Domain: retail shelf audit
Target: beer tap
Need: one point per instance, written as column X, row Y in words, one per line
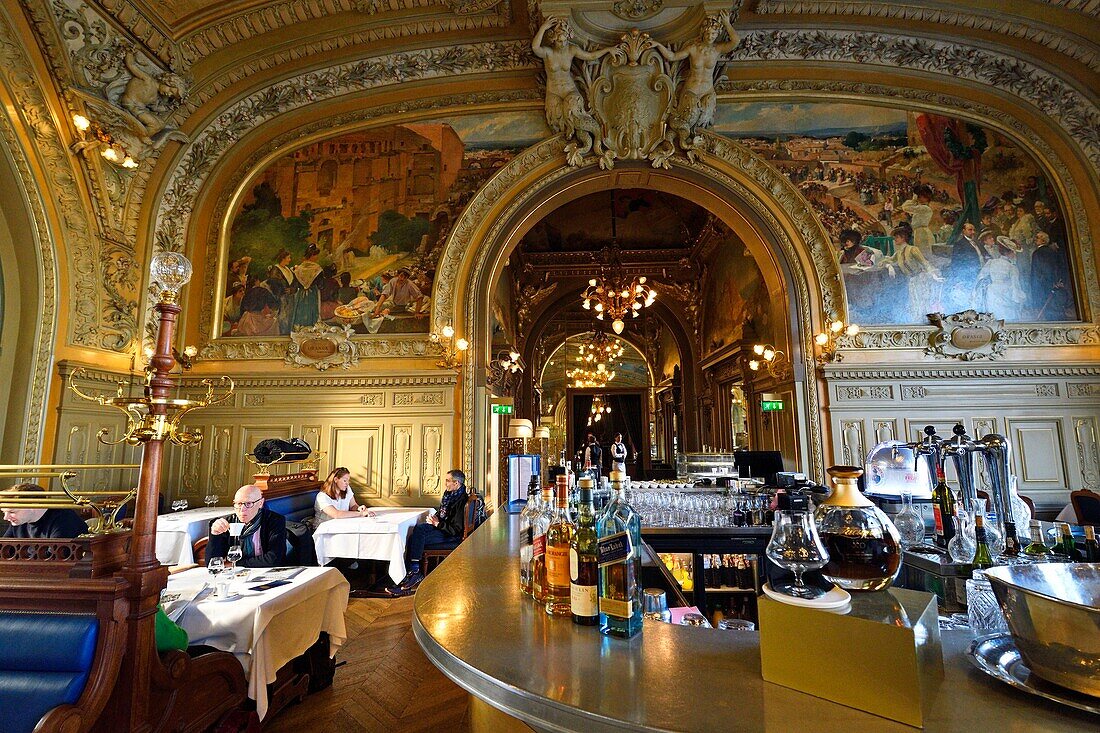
column 930, row 449
column 961, row 449
column 997, row 455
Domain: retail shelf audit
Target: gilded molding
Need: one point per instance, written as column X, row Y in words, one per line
column 442, row 379
column 19, row 78
column 952, row 371
column 972, row 19
column 1070, row 107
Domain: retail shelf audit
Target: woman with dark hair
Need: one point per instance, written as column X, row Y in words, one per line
column 923, row 280
column 336, row 500
column 306, row 302
column 259, row 314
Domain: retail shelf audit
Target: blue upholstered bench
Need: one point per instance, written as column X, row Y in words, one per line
column 45, row 660
column 296, row 507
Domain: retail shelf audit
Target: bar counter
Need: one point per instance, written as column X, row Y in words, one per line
column 474, row 624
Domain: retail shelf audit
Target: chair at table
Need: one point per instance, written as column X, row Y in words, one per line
column 1086, row 505
column 198, row 549
column 473, row 515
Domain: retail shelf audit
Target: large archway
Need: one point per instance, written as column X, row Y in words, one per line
column 757, row 203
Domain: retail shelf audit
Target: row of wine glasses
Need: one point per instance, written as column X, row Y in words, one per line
column 210, row 500
column 179, row 505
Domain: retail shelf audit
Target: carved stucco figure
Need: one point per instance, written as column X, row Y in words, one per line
column 565, row 108
column 697, row 100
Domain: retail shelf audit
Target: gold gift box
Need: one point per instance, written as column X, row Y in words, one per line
column 882, row 656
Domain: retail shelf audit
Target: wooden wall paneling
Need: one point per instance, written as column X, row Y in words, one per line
column 220, row 472
column 1040, row 451
column 312, row 434
column 1085, row 439
column 431, row 481
column 852, row 452
column 401, row 460
column 360, row 450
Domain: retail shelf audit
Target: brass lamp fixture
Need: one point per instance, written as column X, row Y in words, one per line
column 828, row 341
column 598, row 410
column 107, row 505
column 154, row 416
column 450, row 347
column 614, row 295
column 771, row 359
column 93, row 136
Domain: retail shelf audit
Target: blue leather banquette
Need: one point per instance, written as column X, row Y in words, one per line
column 45, row 659
column 295, row 507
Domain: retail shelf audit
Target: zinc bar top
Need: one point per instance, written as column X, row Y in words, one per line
column 474, row 624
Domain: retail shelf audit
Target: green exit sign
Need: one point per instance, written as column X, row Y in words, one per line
column 503, row 409
column 771, row 405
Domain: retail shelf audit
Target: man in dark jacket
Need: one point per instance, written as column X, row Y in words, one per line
column 40, row 524
column 263, row 537
column 445, row 525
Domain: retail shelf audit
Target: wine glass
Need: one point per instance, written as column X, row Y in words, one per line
column 796, row 546
column 234, row 555
column 216, row 565
column 177, row 505
column 211, row 500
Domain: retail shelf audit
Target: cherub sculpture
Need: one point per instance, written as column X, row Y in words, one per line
column 697, row 102
column 565, row 110
column 145, row 96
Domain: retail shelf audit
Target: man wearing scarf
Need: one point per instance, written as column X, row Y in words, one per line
column 263, row 538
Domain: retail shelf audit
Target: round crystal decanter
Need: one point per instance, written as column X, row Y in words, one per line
column 909, row 522
column 961, row 547
column 863, row 544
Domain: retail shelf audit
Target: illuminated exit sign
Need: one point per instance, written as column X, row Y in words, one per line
column 771, row 405
column 506, row 409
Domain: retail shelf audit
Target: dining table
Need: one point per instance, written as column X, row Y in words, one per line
column 378, row 537
column 177, row 532
column 263, row 629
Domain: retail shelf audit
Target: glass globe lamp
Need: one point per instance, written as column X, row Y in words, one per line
column 169, row 272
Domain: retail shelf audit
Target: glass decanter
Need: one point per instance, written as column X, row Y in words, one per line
column 993, row 535
column 863, row 544
column 961, row 547
column 909, row 522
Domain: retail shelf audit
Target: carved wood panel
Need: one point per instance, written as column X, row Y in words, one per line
column 401, row 462
column 431, row 483
column 1088, row 451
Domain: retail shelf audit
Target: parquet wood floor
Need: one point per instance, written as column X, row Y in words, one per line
column 387, row 684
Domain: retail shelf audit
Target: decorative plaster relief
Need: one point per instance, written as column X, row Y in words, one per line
column 913, row 392
column 851, row 437
column 1046, row 390
column 373, row 399
column 1077, row 389
column 1088, row 451
column 402, row 461
column 405, row 399
column 967, row 336
column 321, row 347
column 885, row 430
column 432, row 451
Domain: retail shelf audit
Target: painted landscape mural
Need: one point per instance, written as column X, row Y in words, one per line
column 350, row 229
column 928, row 213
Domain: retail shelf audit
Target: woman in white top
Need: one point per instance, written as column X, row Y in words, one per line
column 336, row 500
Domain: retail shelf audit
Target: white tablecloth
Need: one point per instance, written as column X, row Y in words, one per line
column 178, row 531
column 265, row 630
column 381, row 537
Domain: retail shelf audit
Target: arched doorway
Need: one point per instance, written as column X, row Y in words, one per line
column 744, row 192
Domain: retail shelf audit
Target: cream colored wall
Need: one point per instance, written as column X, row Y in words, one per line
column 394, row 432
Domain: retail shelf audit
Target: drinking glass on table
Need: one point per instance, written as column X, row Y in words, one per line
column 796, row 546
column 211, row 500
column 234, row 555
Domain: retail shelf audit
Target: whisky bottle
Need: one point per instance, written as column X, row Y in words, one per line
column 1068, row 546
column 982, row 557
column 1036, row 550
column 943, row 508
column 559, row 538
column 619, row 533
column 583, row 570
column 1012, row 543
column 538, row 546
column 527, row 520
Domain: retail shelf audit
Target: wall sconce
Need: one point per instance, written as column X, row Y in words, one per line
column 828, row 341
column 450, row 347
column 771, row 359
column 93, row 135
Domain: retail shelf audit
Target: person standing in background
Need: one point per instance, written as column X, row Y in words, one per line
column 618, row 454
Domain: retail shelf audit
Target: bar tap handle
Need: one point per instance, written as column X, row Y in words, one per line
column 928, row 448
column 997, row 455
column 960, row 449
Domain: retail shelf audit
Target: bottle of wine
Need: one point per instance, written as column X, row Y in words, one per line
column 1012, row 543
column 982, row 557
column 538, row 545
column 583, row 570
column 527, row 519
column 1035, row 549
column 559, row 538
column 619, row 541
column 1068, row 546
column 1092, row 550
column 943, row 508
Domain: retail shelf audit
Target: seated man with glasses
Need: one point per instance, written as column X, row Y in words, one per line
column 263, row 537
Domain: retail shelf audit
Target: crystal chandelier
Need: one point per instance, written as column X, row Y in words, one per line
column 589, row 378
column 599, row 409
column 597, row 355
column 614, row 294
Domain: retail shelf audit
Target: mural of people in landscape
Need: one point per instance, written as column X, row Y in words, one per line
column 927, row 213
column 349, row 230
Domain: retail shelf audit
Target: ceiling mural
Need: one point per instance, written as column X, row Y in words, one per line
column 928, row 214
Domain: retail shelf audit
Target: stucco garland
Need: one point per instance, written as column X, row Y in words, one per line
column 17, row 73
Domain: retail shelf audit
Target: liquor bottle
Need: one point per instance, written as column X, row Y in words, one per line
column 1068, row 546
column 559, row 538
column 527, row 519
column 583, row 570
column 982, row 558
column 538, row 545
column 943, row 508
column 1036, row 550
column 619, row 533
column 1092, row 550
column 1012, row 543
